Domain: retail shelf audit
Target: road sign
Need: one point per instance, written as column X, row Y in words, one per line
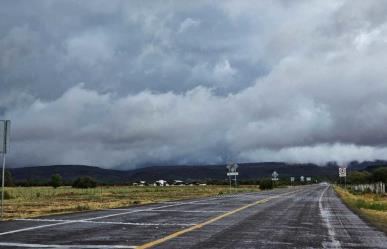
column 292, row 179
column 5, row 126
column 302, row 178
column 342, row 172
column 274, row 176
column 308, row 179
column 232, row 167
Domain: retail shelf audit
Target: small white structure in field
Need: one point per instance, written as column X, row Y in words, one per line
column 161, row 183
column 140, row 183
column 178, row 182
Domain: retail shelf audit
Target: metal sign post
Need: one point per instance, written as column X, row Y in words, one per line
column 343, row 173
column 274, row 176
column 232, row 167
column 5, row 126
column 292, row 180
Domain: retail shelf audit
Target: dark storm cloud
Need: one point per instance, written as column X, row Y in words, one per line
column 129, row 83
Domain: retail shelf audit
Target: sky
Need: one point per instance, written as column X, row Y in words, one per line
column 123, row 84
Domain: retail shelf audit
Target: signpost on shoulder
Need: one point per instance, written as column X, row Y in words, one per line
column 292, row 180
column 5, row 126
column 232, row 167
column 343, row 173
column 274, row 177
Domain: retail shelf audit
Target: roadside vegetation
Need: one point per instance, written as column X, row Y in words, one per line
column 370, row 206
column 24, row 202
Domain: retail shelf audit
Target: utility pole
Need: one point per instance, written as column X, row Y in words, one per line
column 5, row 126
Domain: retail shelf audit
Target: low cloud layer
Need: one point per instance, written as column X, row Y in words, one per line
column 299, row 81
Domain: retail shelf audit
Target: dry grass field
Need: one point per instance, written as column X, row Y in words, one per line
column 370, row 206
column 24, row 202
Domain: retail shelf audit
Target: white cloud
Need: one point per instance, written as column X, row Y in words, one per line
column 188, row 23
column 197, row 82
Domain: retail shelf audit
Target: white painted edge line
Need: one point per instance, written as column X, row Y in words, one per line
column 90, row 219
column 325, row 214
column 61, row 246
column 113, row 222
column 36, row 227
column 181, row 211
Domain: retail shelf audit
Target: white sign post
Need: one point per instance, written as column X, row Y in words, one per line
column 302, row 178
column 232, row 167
column 274, row 176
column 5, row 126
column 292, row 180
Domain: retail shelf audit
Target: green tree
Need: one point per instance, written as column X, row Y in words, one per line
column 8, row 181
column 84, row 182
column 379, row 175
column 56, row 180
column 357, row 177
column 8, row 178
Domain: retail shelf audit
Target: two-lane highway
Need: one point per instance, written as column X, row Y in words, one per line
column 305, row 217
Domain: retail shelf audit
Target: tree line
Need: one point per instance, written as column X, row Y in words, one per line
column 363, row 177
column 55, row 181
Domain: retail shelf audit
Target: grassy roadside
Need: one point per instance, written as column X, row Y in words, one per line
column 26, row 202
column 371, row 207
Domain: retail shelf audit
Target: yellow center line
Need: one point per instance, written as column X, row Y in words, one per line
column 200, row 225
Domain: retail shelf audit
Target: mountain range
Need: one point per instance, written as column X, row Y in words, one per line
column 247, row 171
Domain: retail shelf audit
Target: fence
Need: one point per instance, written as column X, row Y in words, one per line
column 377, row 188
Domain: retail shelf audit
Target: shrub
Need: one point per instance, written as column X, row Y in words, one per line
column 84, row 182
column 7, row 195
column 81, row 207
column 266, row 184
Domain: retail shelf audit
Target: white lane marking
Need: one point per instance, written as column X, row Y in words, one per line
column 62, row 246
column 111, row 215
column 326, row 214
column 35, row 227
column 113, row 222
column 95, row 218
column 181, row 211
column 191, row 211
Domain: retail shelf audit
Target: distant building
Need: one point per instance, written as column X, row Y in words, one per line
column 139, row 183
column 178, row 182
column 161, row 183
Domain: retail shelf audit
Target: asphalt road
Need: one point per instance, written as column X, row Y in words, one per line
column 307, row 217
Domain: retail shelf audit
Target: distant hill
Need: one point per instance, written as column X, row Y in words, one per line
column 247, row 171
column 358, row 166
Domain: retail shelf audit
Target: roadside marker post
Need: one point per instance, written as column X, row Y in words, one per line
column 5, row 127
